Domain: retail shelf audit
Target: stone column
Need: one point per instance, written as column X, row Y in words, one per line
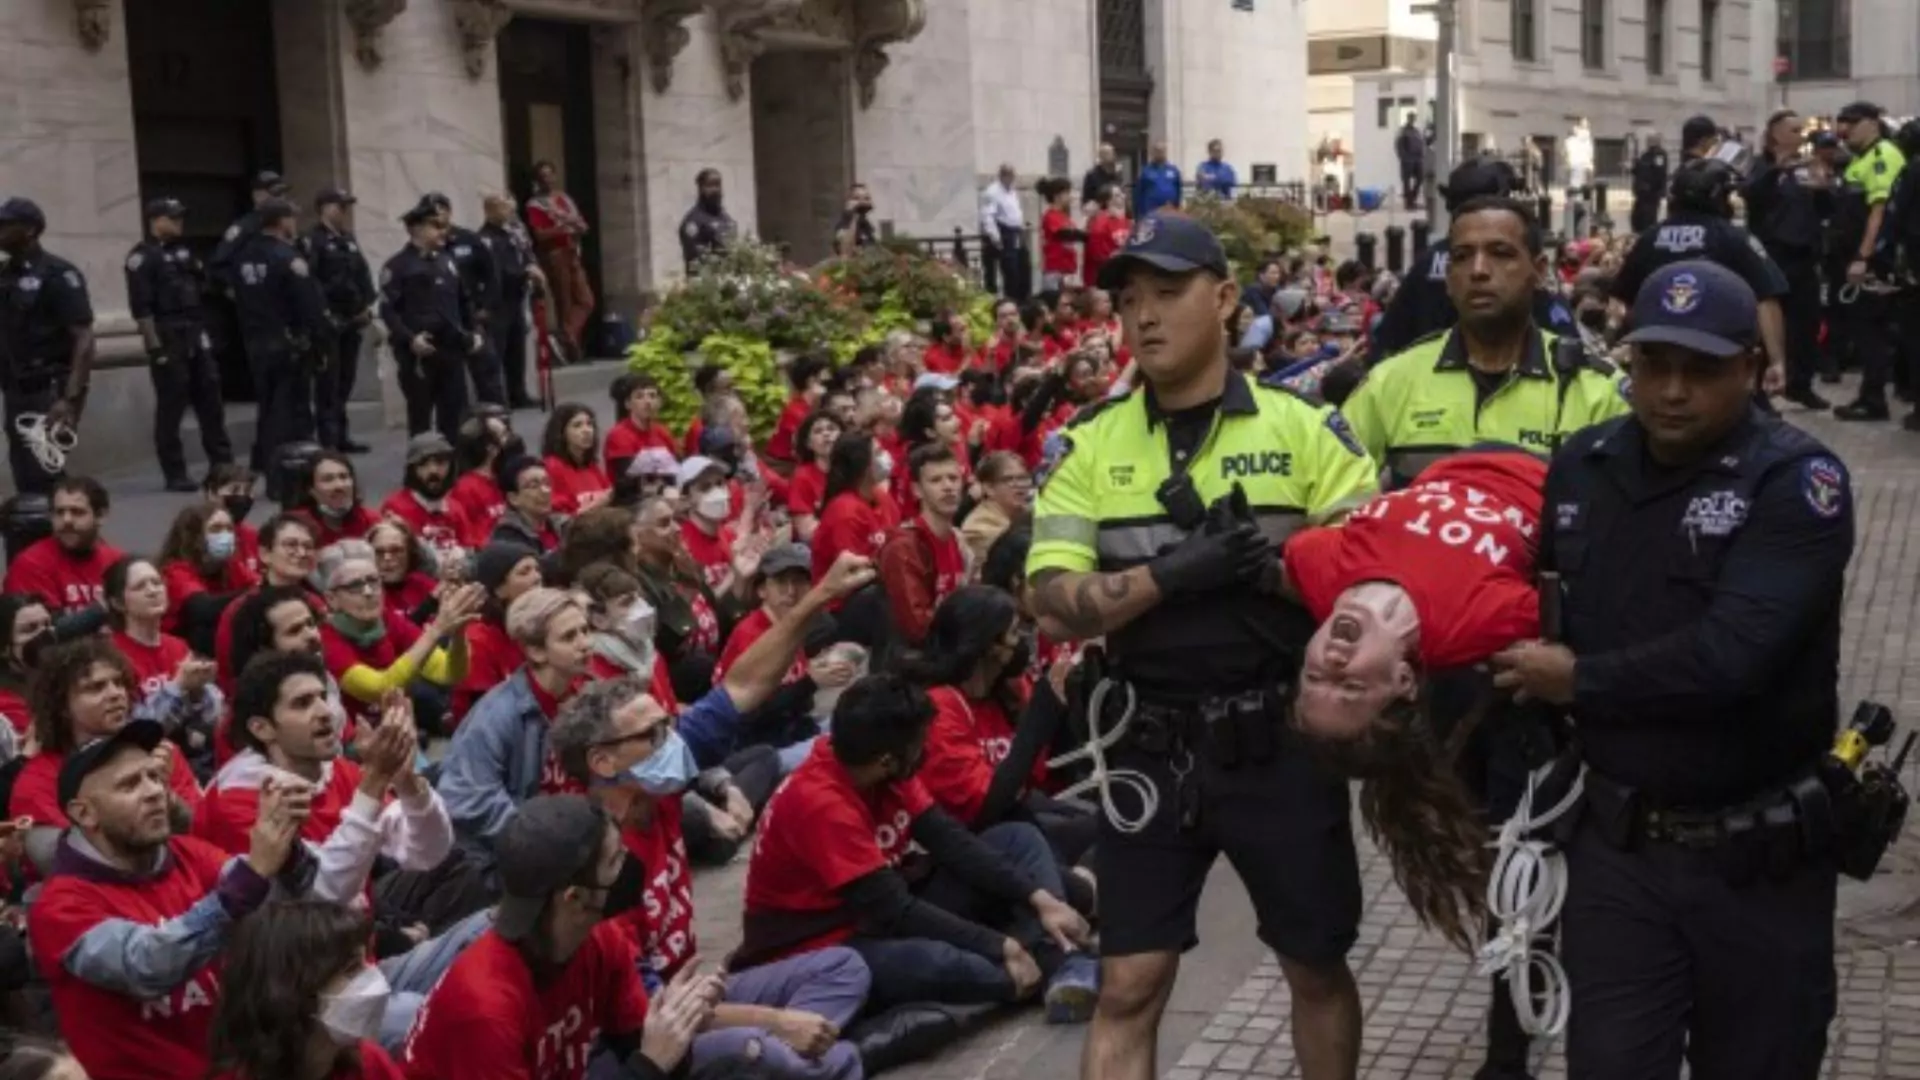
column 696, row 123
column 620, row 95
column 310, row 62
column 914, row 146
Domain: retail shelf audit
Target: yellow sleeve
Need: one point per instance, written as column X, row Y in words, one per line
column 445, row 667
column 1341, row 472
column 1066, row 525
column 1604, row 396
column 1365, row 410
column 364, row 683
column 1876, row 172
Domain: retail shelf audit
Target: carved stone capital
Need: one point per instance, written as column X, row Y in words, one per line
column 479, row 22
column 93, row 21
column 878, row 24
column 369, row 19
column 665, row 37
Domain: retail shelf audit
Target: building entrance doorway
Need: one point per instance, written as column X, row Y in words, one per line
column 546, row 107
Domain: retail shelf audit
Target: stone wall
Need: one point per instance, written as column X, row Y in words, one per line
column 1238, row 76
column 692, row 126
column 915, row 145
column 802, row 102
column 1033, row 82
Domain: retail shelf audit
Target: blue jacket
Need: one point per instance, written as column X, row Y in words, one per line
column 1215, row 176
column 1158, row 186
column 497, row 754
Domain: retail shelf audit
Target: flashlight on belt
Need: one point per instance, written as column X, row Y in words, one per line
column 1872, row 726
column 1869, row 801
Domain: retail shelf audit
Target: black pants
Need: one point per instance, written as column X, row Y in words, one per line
column 509, row 331
column 186, row 375
column 484, row 367
column 432, row 384
column 333, row 388
column 1666, row 959
column 30, row 396
column 1410, row 177
column 283, row 385
column 1839, row 350
column 1801, row 310
column 1870, row 319
column 1016, row 265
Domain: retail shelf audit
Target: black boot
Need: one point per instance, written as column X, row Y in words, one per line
column 902, row 1035
column 1507, row 1044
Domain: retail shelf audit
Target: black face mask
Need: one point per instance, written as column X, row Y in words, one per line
column 628, row 889
column 237, row 506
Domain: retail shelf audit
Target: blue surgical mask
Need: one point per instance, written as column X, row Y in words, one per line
column 219, row 546
column 669, row 770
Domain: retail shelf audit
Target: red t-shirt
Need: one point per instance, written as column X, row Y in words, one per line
column 374, row 1065
column 848, row 523
column 488, row 1020
column 780, row 444
column 745, row 633
column 65, row 581
column 1106, row 235
column 662, row 926
column 1461, row 541
column 246, row 547
column 554, row 778
column 341, row 653
column 225, row 817
column 480, row 503
column 943, row 359
column 14, row 708
column 445, row 530
column 405, row 597
column 820, row 833
column 36, row 791
column 661, row 690
column 690, row 443
column 491, row 657
column 966, row 742
column 706, row 622
column 112, row 1035
column 184, row 582
column 571, row 483
column 153, row 665
column 1057, row 256
column 626, row 439
column 355, row 525
column 714, row 553
column 805, row 490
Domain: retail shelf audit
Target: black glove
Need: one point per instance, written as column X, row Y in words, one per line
column 1261, row 567
column 1212, row 557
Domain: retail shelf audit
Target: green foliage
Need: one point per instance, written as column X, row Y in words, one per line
column 980, row 317
column 662, row 356
column 1252, row 228
column 758, row 380
column 921, row 285
column 744, row 289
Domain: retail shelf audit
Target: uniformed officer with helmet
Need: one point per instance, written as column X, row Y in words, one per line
column 46, row 340
column 1702, row 544
column 1157, row 528
column 166, row 287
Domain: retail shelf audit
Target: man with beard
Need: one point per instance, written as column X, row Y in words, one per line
column 68, row 570
column 707, row 227
column 923, row 562
column 129, row 928
column 422, row 501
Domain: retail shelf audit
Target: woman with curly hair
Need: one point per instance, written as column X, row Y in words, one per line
column 298, row 998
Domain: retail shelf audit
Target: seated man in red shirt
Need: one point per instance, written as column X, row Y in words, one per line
column 638, row 399
column 422, row 501
column 964, row 919
column 68, row 570
column 922, row 562
column 128, row 930
column 807, row 375
column 556, row 981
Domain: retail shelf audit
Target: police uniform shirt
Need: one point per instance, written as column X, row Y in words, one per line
column 164, row 282
column 1428, row 402
column 1650, row 174
column 1692, row 234
column 226, row 254
column 1869, row 183
column 1703, row 604
column 479, row 274
column 43, row 298
column 276, row 296
column 702, row 233
column 1783, row 211
column 1099, row 509
column 512, row 257
column 421, row 293
column 341, row 269
column 1421, row 307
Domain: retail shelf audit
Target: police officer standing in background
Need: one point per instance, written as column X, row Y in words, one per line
column 165, row 291
column 1784, row 196
column 1861, row 230
column 347, row 282
column 707, row 227
column 284, row 323
column 480, row 280
column 520, row 274
column 1421, row 306
column 46, row 339
column 1649, row 184
column 1699, row 225
column 1158, row 528
column 1702, row 544
column 266, row 185
column 430, row 326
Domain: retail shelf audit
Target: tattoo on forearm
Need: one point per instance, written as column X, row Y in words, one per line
column 1082, row 608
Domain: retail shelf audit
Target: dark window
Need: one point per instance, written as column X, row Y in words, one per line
column 1525, row 31
column 1816, row 38
column 1656, row 37
column 1593, row 34
column 1609, row 157
column 1709, row 39
column 1123, row 37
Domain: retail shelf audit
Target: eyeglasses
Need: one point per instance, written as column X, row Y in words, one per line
column 653, row 735
column 294, row 547
column 538, row 483
column 365, row 585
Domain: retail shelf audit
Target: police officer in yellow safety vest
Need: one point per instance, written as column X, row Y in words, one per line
column 1159, row 528
column 1860, row 223
column 1494, row 378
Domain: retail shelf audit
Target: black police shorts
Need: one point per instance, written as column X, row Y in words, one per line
column 1284, row 825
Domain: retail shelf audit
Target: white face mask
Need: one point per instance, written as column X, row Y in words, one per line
column 714, row 505
column 882, row 466
column 352, row 1014
column 638, row 626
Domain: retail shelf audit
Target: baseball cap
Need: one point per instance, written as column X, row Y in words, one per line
column 1697, row 305
column 145, row 735
column 426, row 445
column 694, row 468
column 22, row 211
column 166, row 208
column 1858, row 110
column 334, row 196
column 271, row 182
column 785, row 559
column 654, row 461
column 551, row 843
column 1171, row 242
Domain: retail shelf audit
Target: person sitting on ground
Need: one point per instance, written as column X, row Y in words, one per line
column 556, row 981
column 807, row 380
column 506, row 572
column 529, row 518
column 68, row 569
column 856, row 513
column 24, row 622
column 637, row 396
column 229, row 486
column 287, row 555
column 832, row 867
column 408, row 587
column 373, row 652
column 692, row 620
column 571, row 444
column 172, row 686
column 298, row 998
column 484, row 439
column 200, row 560
column 705, row 532
column 813, row 441
column 278, row 618
column 1006, row 492
column 330, row 500
column 423, row 501
column 922, row 561
column 129, row 926
column 785, row 721
column 624, row 749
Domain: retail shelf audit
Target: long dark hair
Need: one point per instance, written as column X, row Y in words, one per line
column 186, row 539
column 553, row 441
column 114, row 582
column 803, row 435
column 277, row 963
column 12, row 605
column 920, row 416
column 303, row 498
column 965, row 628
column 848, row 465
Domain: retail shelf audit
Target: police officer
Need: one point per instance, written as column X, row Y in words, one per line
column 1862, row 233
column 520, row 274
column 1498, row 376
column 1835, row 253
column 1784, row 196
column 1649, row 184
column 46, row 340
column 1422, row 306
column 267, row 184
column 166, row 288
column 347, row 282
column 1699, row 225
column 1702, row 545
column 430, row 325
column 284, row 323
column 1156, row 527
column 480, row 280
column 707, row 227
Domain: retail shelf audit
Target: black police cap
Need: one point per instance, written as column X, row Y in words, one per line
column 166, row 208
column 334, row 196
column 1704, row 184
column 436, row 200
column 1170, row 242
column 420, row 214
column 1476, row 179
column 275, row 210
column 1859, row 110
column 271, row 182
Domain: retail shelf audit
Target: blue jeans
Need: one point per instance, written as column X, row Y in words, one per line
column 829, row 983
column 919, row 969
column 414, row 973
